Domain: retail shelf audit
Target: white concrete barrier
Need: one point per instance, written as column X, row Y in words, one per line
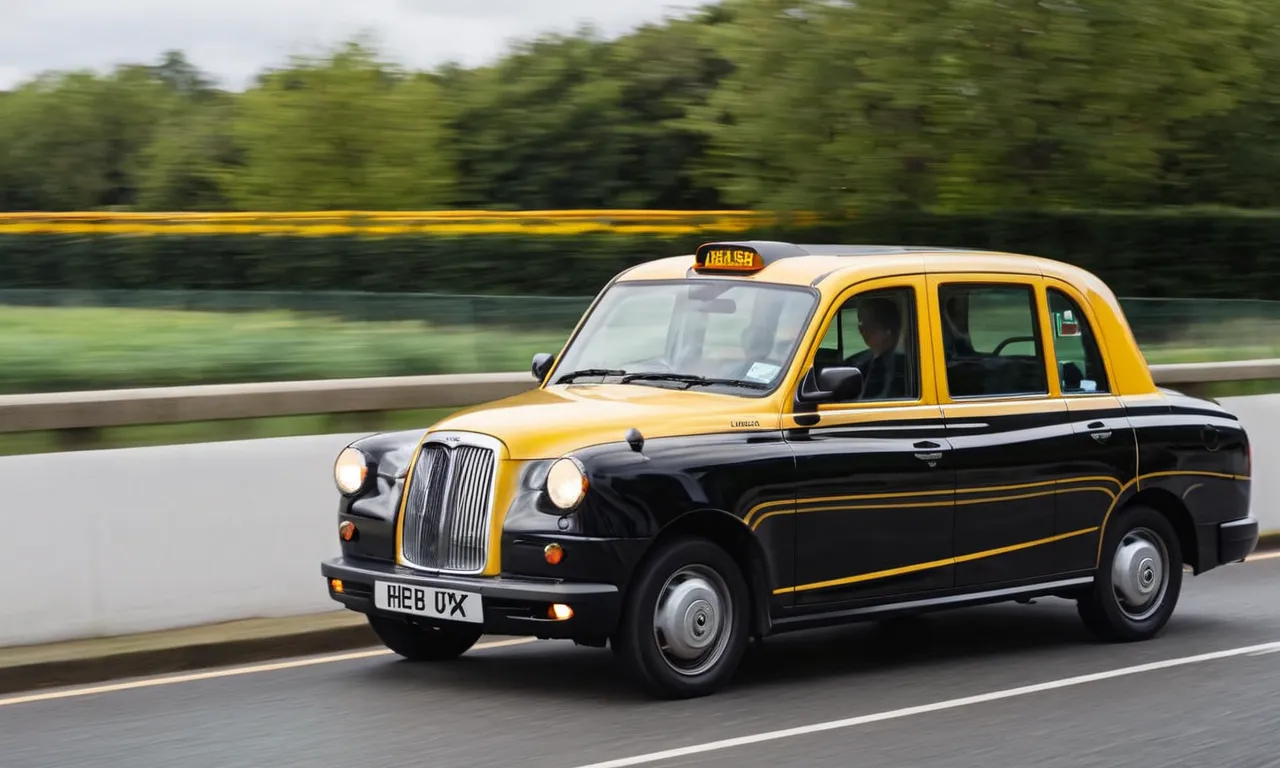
column 115, row 541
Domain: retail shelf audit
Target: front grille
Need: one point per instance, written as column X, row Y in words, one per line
column 446, row 516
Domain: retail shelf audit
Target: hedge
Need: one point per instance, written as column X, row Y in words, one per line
column 1155, row 254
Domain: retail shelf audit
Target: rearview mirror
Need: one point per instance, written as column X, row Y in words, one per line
column 833, row 384
column 541, row 365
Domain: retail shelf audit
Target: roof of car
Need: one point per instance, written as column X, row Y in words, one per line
column 813, row 264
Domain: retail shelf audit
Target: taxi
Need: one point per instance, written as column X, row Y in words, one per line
column 763, row 437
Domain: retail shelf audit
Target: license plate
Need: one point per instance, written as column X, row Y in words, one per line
column 432, row 602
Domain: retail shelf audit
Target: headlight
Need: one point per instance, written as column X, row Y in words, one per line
column 566, row 483
column 351, row 470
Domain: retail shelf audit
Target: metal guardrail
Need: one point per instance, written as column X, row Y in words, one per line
column 96, row 409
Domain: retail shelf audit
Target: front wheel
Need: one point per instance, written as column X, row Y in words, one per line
column 423, row 643
column 1139, row 578
column 684, row 628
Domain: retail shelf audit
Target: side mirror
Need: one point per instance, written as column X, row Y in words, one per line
column 832, row 384
column 541, row 365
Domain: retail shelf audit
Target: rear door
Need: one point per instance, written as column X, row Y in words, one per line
column 1008, row 429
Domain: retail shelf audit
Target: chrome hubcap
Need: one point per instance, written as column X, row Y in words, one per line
column 1139, row 573
column 692, row 618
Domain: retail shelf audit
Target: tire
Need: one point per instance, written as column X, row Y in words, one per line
column 697, row 574
column 1150, row 540
column 424, row 643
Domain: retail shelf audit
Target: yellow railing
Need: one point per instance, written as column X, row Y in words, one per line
column 330, row 223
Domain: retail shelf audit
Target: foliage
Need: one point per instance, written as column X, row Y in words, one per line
column 1179, row 253
column 959, row 106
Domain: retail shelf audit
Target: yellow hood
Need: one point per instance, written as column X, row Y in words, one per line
column 546, row 423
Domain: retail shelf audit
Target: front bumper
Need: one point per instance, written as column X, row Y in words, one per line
column 509, row 605
column 1237, row 539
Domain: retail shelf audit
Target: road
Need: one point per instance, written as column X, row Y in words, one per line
column 552, row 704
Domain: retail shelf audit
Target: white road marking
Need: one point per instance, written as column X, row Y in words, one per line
column 151, row 682
column 714, row 746
column 330, row 659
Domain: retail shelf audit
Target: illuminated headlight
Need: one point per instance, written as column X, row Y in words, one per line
column 351, row 470
column 566, row 483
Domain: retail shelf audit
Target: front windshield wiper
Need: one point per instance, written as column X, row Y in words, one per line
column 692, row 380
column 570, row 376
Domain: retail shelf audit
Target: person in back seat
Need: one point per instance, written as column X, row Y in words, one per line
column 882, row 365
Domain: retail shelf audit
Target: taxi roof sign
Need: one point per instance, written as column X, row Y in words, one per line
column 728, row 257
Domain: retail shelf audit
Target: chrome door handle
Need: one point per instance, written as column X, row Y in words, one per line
column 932, row 458
column 1098, row 433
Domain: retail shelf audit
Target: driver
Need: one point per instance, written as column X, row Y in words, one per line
column 881, row 363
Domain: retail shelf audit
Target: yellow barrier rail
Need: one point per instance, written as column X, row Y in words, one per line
column 386, row 223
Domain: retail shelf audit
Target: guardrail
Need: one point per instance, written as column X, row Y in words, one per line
column 88, row 410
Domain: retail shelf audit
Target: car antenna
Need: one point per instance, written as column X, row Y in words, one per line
column 635, row 439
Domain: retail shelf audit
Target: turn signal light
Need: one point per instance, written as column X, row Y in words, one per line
column 561, row 612
column 335, row 585
column 347, row 530
column 554, row 553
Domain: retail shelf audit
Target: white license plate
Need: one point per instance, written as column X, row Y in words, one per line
column 433, row 602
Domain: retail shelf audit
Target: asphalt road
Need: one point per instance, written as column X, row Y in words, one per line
column 551, row 704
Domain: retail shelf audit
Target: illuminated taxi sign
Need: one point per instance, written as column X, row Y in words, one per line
column 724, row 257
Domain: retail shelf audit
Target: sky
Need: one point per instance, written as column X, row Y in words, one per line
column 231, row 40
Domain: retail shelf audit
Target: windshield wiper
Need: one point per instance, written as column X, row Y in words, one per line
column 692, row 380
column 570, row 376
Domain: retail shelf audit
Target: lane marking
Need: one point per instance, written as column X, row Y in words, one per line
column 152, row 682
column 714, row 746
column 294, row 664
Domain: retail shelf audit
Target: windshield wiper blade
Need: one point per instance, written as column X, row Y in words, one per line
column 570, row 376
column 693, row 380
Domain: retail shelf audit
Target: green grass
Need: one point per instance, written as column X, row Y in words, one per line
column 58, row 349
column 49, row 349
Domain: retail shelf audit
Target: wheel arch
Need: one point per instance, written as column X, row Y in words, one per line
column 1178, row 515
column 736, row 538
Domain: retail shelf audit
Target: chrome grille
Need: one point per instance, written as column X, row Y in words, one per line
column 446, row 515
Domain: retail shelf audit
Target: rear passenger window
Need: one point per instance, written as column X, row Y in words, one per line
column 991, row 340
column 1080, row 368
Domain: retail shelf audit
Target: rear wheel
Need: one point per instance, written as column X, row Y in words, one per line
column 417, row 643
column 684, row 628
column 1139, row 578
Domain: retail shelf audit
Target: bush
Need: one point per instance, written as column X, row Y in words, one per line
column 1207, row 254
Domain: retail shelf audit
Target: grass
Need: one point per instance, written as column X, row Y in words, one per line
column 77, row 348
column 59, row 349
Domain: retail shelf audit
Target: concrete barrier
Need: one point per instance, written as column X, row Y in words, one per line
column 140, row 539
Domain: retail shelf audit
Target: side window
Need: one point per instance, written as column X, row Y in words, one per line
column 877, row 333
column 1080, row 368
column 991, row 341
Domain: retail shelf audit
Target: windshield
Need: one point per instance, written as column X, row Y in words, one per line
column 722, row 334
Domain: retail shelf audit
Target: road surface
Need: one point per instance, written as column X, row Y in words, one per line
column 866, row 695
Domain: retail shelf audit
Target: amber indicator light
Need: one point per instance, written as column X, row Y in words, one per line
column 347, row 530
column 335, row 585
column 554, row 553
column 560, row 612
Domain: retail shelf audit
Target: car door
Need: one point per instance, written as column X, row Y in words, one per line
column 1008, row 429
column 1102, row 458
column 874, row 479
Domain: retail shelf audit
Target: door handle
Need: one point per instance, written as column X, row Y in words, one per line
column 927, row 444
column 1098, row 431
column 932, row 458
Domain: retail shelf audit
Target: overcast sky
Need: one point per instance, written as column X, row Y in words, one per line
column 233, row 39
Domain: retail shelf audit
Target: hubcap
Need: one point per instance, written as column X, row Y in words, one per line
column 1139, row 573
column 692, row 618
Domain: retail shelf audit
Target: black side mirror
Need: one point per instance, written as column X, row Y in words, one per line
column 832, row 384
column 541, row 365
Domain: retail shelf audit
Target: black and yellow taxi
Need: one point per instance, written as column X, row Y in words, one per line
column 762, row 437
